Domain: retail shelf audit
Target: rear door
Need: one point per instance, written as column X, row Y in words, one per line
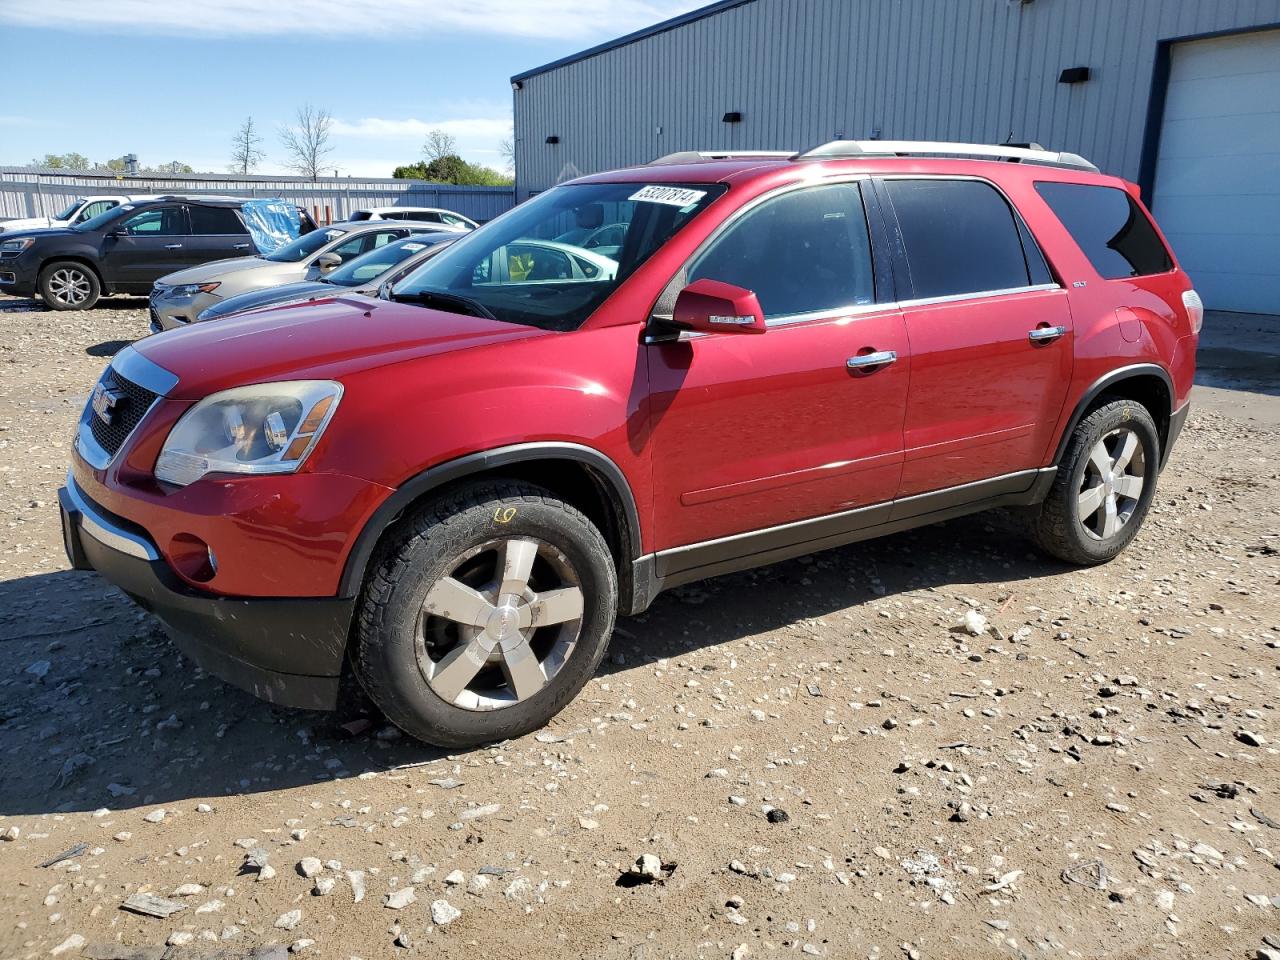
column 216, row 233
column 990, row 332
column 142, row 247
column 753, row 432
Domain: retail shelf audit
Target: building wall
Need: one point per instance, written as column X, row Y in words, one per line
column 806, row 71
column 24, row 193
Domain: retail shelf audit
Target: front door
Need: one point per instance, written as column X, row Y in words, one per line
column 991, row 336
column 752, row 432
column 144, row 246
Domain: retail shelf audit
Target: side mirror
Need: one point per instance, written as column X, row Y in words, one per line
column 711, row 306
column 328, row 261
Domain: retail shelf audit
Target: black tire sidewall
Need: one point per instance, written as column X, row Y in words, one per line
column 46, row 273
column 1118, row 415
column 387, row 656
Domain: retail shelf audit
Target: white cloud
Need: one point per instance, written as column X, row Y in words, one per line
column 544, row 19
column 411, row 129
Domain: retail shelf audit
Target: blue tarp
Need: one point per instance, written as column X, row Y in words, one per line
column 271, row 223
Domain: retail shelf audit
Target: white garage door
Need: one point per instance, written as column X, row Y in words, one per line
column 1217, row 189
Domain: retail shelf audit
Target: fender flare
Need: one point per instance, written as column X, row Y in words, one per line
column 415, row 487
column 1103, row 383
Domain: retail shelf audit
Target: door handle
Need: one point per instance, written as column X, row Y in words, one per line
column 241, row 246
column 173, row 246
column 863, row 361
column 1045, row 334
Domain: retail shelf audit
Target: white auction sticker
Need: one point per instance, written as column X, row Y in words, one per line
column 672, row 196
column 415, row 247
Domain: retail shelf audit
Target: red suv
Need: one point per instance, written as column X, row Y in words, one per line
column 456, row 487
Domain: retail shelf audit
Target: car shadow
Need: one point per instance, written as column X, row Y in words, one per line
column 107, row 348
column 98, row 708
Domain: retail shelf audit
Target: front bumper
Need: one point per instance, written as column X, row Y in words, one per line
column 18, row 275
column 288, row 651
column 170, row 313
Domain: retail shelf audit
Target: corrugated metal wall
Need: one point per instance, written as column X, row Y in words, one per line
column 806, row 71
column 23, row 194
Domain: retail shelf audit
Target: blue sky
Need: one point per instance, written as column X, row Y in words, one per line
column 174, row 79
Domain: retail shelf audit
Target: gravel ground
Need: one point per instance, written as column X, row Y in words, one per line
column 935, row 745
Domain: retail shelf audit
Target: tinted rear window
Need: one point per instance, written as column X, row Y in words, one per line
column 1110, row 228
column 214, row 220
column 960, row 237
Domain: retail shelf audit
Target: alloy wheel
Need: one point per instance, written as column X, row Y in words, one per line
column 70, row 287
column 1112, row 484
column 499, row 626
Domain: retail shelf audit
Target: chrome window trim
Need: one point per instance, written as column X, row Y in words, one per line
column 104, row 531
column 978, row 295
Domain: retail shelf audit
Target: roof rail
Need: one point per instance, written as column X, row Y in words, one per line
column 694, row 156
column 914, row 148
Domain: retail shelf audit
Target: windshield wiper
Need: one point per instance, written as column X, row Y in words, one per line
column 431, row 298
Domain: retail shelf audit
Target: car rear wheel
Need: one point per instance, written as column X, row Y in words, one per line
column 1104, row 485
column 485, row 615
column 67, row 285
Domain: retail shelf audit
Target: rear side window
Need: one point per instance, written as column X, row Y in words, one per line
column 804, row 251
column 960, row 237
column 1110, row 228
column 214, row 220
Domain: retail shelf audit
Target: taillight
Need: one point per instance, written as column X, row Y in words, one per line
column 1195, row 309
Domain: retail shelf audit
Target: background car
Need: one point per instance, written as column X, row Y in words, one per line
column 421, row 214
column 178, row 298
column 365, row 274
column 78, row 210
column 125, row 249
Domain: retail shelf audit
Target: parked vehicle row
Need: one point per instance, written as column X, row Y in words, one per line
column 125, row 249
column 178, row 298
column 79, row 210
column 452, row 489
column 436, row 215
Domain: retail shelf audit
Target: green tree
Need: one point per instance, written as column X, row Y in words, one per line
column 451, row 168
column 63, row 161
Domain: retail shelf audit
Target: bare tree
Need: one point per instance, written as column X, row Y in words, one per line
column 307, row 141
column 245, row 154
column 439, row 144
column 507, row 150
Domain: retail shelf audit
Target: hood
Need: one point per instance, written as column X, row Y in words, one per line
column 41, row 233
column 322, row 339
column 216, row 270
column 272, row 296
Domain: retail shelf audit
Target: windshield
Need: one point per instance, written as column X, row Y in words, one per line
column 69, row 211
column 517, row 271
column 104, row 218
column 305, row 245
column 369, row 266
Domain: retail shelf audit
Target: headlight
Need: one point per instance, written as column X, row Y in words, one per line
column 264, row 428
column 16, row 245
column 185, row 291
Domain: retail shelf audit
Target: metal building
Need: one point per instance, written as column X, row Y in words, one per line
column 1181, row 96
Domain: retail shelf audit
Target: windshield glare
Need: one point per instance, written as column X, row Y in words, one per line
column 69, row 211
column 305, row 245
column 369, row 266
column 554, row 259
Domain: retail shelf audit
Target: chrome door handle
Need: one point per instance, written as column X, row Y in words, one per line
column 882, row 358
column 241, row 246
column 173, row 246
column 1045, row 334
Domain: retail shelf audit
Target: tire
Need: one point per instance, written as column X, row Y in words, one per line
column 409, row 648
column 68, row 285
column 1064, row 526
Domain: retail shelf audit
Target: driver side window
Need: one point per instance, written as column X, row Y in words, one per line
column 162, row 222
column 93, row 209
column 805, row 251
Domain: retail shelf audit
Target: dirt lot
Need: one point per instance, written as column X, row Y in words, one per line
column 822, row 762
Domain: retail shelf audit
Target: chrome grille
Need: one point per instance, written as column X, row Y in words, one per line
column 134, row 401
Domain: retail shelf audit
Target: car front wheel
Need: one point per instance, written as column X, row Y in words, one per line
column 1104, row 485
column 67, row 285
column 485, row 614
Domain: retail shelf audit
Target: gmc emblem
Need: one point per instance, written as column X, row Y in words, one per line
column 104, row 402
